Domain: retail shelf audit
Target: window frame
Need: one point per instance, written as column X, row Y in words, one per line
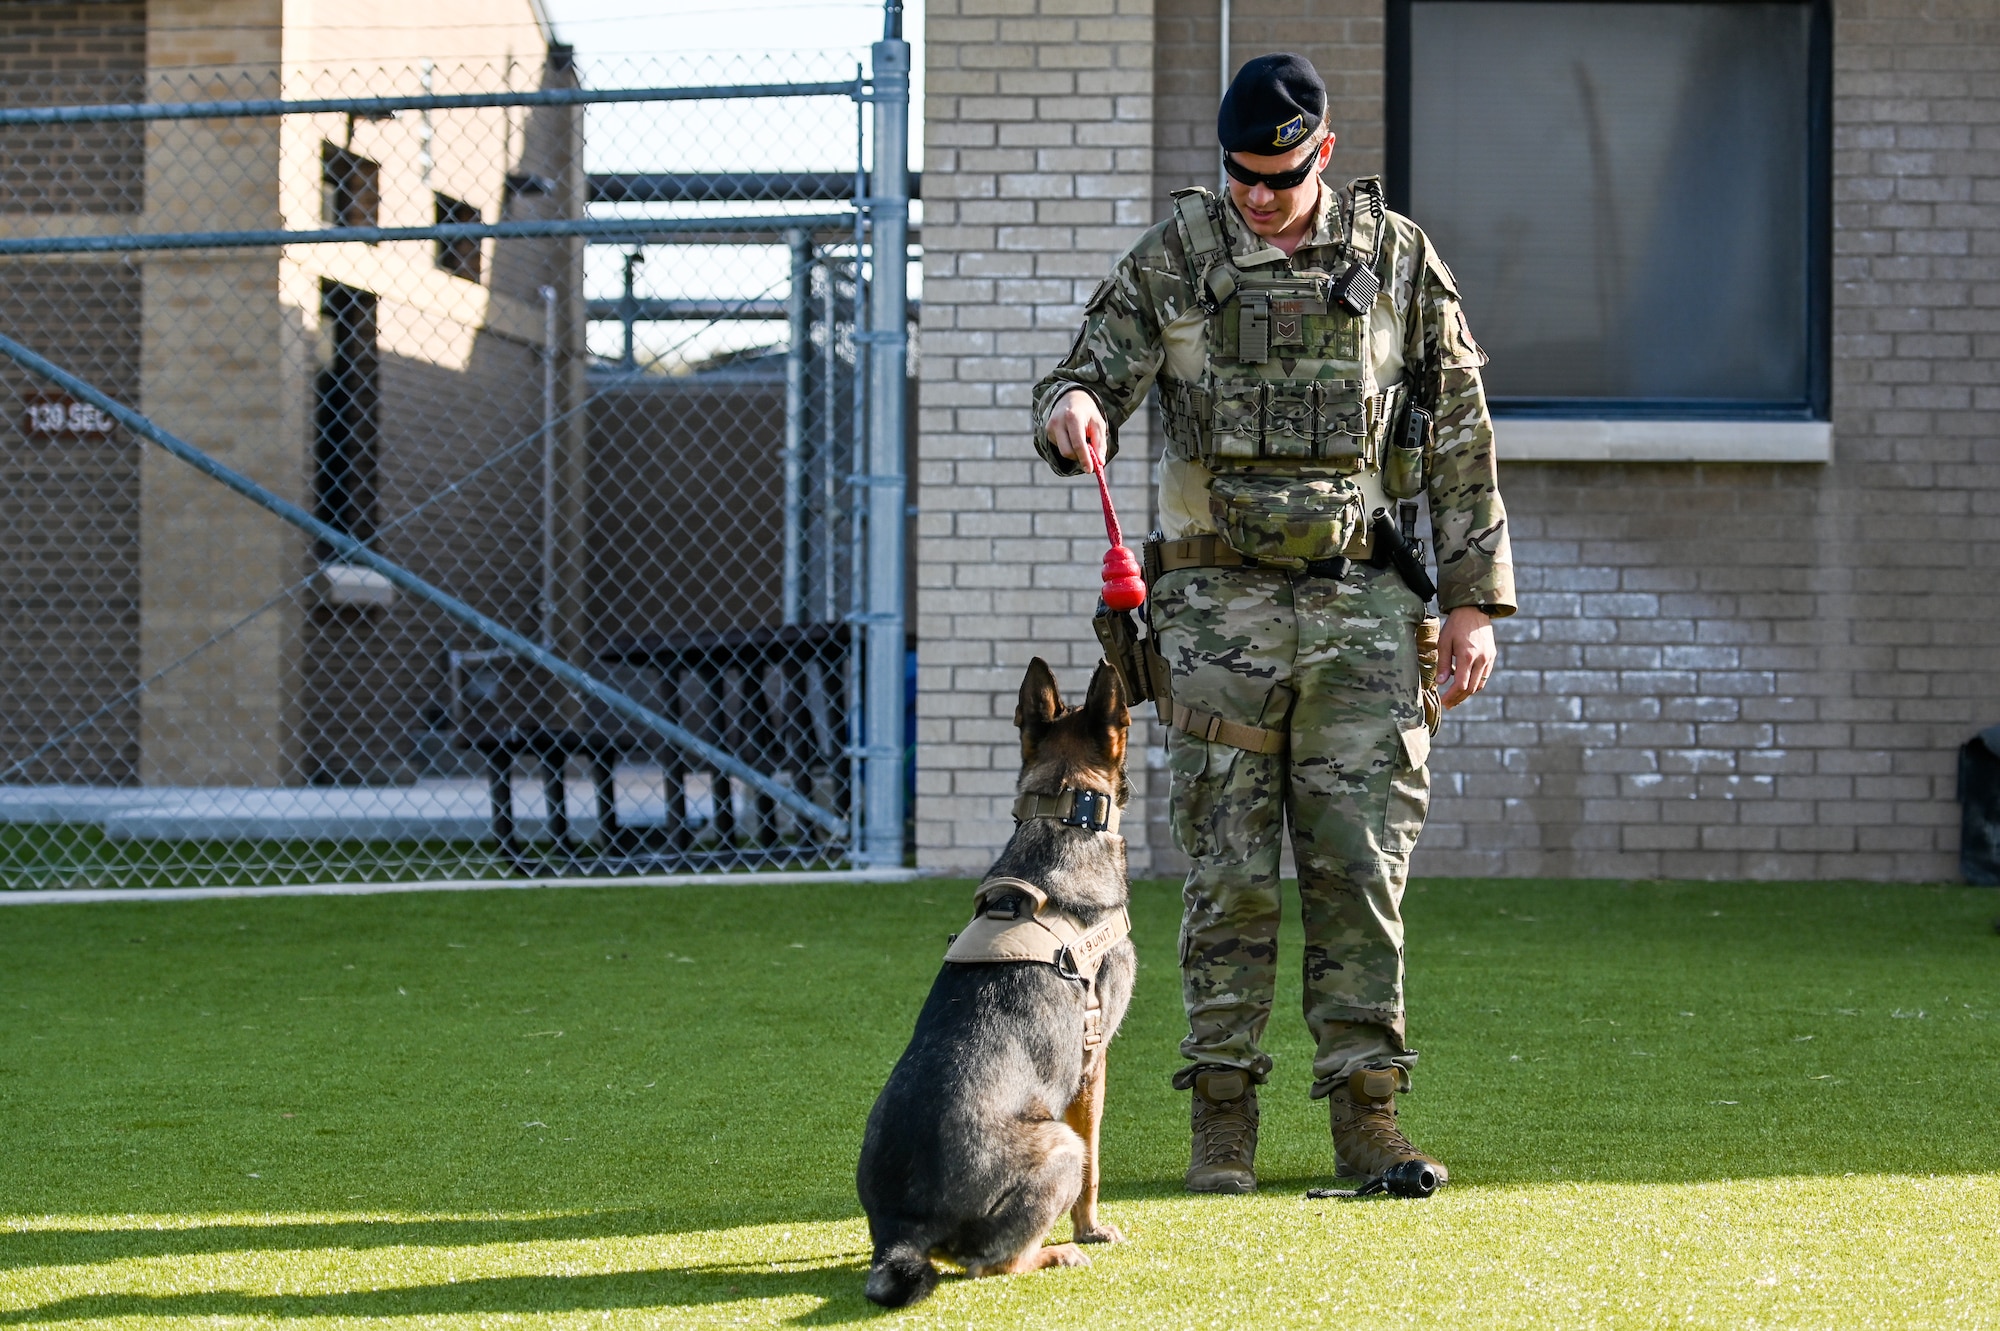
column 347, row 413
column 1816, row 404
column 463, row 259
column 350, row 188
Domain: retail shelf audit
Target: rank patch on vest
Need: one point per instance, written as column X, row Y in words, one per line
column 1287, row 328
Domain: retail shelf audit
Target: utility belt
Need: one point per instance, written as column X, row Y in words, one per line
column 1160, row 556
column 1146, row 676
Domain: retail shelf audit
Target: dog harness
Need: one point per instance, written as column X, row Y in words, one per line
column 1005, row 934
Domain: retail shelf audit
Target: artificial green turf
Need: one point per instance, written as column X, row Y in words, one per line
column 1715, row 1105
column 69, row 856
column 72, row 856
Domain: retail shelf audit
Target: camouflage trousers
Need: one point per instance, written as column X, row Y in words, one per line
column 1334, row 665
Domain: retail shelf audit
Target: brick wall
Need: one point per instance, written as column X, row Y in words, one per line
column 1717, row 671
column 53, row 54
column 369, row 676
column 1037, row 174
column 1744, row 671
column 1343, row 39
column 69, row 535
column 69, row 581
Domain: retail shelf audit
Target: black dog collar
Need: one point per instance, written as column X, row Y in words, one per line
column 1092, row 810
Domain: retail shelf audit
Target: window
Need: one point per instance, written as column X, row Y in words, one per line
column 1633, row 196
column 524, row 185
column 460, row 258
column 350, row 188
column 347, row 410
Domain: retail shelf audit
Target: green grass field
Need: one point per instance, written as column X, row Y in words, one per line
column 1719, row 1105
column 68, row 856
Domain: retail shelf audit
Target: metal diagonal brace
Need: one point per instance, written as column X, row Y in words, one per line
column 355, row 552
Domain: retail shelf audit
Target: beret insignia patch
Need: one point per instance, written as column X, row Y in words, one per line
column 1290, row 132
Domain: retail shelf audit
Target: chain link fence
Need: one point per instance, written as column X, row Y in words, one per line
column 450, row 472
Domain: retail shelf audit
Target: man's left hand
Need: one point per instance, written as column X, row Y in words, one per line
column 1465, row 654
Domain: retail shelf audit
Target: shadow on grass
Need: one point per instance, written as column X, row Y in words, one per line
column 834, row 1279
column 837, row 1284
column 89, row 1244
column 55, row 1246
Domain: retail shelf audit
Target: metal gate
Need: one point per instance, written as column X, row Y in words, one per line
column 450, row 472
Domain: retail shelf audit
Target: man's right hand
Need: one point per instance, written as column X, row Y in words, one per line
column 1076, row 425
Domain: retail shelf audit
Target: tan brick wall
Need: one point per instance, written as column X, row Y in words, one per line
column 1343, row 39
column 1754, row 671
column 461, row 386
column 1037, row 174
column 1718, row 671
column 55, row 54
column 305, row 691
column 213, row 326
column 69, row 536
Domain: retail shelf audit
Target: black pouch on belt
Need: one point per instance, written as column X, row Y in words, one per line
column 1409, row 445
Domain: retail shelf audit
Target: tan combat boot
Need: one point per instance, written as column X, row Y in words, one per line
column 1224, row 1116
column 1368, row 1145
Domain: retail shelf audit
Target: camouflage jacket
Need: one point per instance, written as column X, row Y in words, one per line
column 1144, row 321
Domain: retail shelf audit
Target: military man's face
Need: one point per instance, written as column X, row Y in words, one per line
column 1273, row 212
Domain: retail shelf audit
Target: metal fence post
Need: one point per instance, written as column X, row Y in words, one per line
column 889, row 213
column 628, row 313
column 798, row 347
column 548, row 597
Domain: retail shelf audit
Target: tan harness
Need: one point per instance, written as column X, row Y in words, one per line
column 1046, row 936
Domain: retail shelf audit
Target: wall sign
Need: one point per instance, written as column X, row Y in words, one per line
column 60, row 416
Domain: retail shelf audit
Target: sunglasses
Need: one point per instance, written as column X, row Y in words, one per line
column 1281, row 180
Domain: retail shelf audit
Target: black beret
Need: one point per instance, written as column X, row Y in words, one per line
column 1274, row 105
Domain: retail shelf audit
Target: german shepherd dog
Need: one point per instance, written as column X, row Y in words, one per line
column 987, row 1129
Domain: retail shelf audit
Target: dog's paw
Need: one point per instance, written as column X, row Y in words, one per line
column 1064, row 1254
column 1100, row 1233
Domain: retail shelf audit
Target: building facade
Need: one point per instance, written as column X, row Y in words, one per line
column 159, row 630
column 1749, row 642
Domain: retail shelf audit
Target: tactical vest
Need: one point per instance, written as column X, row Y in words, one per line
column 1287, row 411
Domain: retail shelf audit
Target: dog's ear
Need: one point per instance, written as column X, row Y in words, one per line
column 1040, row 703
column 1105, row 708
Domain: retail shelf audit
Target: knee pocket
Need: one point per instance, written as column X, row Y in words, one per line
column 1409, row 799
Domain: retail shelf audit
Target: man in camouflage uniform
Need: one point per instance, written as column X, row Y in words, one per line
column 1296, row 689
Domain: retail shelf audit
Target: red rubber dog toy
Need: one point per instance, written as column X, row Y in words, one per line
column 1124, row 586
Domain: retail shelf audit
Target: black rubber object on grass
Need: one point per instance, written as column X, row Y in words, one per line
column 1406, row 1178
column 1979, row 801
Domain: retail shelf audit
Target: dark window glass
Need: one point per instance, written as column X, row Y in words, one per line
column 347, row 414
column 1626, row 192
column 460, row 258
column 350, row 188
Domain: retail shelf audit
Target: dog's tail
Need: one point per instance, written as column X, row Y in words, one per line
column 901, row 1275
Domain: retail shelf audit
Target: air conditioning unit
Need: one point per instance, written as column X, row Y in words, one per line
column 346, row 585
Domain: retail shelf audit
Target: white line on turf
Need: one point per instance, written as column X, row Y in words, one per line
column 82, row 896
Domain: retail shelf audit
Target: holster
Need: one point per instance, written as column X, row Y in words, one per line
column 1136, row 659
column 1141, row 670
column 1392, row 549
